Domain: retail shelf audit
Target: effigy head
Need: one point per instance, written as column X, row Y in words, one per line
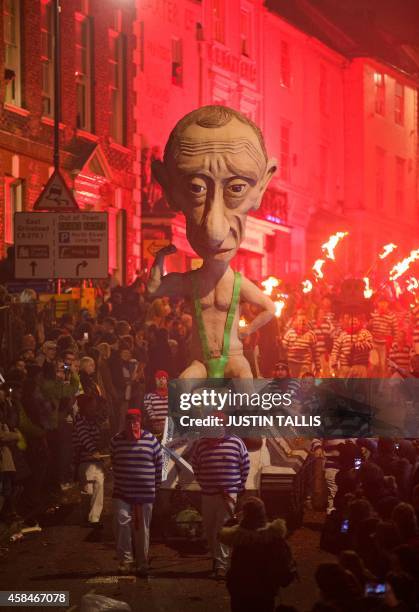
column 215, row 170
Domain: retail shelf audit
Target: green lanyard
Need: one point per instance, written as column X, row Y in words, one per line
column 216, row 365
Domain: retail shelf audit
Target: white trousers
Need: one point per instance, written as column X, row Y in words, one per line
column 132, row 532
column 215, row 513
column 92, row 478
column 330, row 476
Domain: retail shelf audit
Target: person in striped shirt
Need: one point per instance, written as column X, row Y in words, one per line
column 221, row 466
column 323, row 328
column 383, row 327
column 300, row 343
column 86, row 439
column 351, row 349
column 156, row 404
column 137, row 469
column 400, row 352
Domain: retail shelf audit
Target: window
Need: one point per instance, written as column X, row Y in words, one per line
column 13, row 203
column 380, row 169
column 11, row 37
column 245, row 32
column 284, row 166
column 177, row 62
column 285, row 65
column 47, row 59
column 117, row 63
column 84, row 64
column 323, row 90
column 400, row 184
column 399, row 104
column 379, row 93
column 218, row 12
column 141, row 46
column 324, row 168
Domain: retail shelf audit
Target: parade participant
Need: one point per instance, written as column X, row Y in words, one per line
column 400, row 352
column 137, row 469
column 215, row 171
column 323, row 328
column 221, row 466
column 86, row 439
column 156, row 403
column 351, row 349
column 383, row 326
column 300, row 344
column 328, row 450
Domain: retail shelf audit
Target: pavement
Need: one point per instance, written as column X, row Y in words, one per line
column 68, row 557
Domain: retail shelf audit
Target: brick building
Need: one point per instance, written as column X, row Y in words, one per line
column 332, row 88
column 97, row 122
column 310, row 78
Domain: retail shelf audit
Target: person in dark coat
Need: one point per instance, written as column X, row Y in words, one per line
column 261, row 560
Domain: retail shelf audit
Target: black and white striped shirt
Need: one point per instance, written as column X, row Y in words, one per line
column 86, row 438
column 382, row 326
column 351, row 349
column 156, row 407
column 137, row 467
column 401, row 355
column 301, row 348
column 221, row 466
column 324, row 332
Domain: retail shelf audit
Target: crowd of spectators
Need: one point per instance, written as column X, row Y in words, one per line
column 113, row 355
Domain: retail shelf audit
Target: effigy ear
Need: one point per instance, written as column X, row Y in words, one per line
column 160, row 173
column 271, row 168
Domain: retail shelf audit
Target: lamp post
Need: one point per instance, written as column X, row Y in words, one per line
column 57, row 82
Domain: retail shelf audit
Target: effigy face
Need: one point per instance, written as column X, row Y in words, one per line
column 215, row 174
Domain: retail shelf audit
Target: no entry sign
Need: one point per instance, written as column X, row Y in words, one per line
column 61, row 245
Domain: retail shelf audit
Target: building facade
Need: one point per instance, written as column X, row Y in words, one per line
column 344, row 163
column 97, row 119
column 342, row 124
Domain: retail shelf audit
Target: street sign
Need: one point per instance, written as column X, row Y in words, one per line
column 61, row 245
column 34, row 245
column 82, row 245
column 56, row 196
column 150, row 247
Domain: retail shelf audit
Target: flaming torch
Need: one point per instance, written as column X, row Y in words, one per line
column 242, row 322
column 307, row 286
column 279, row 306
column 329, row 246
column 367, row 291
column 269, row 284
column 400, row 268
column 412, row 284
column 387, row 249
column 317, row 268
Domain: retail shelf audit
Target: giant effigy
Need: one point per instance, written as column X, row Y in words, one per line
column 215, row 170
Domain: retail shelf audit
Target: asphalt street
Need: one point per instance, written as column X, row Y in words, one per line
column 65, row 556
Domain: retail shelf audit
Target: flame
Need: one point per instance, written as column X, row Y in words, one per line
column 387, row 249
column 307, row 286
column 279, row 306
column 412, row 284
column 269, row 283
column 403, row 265
column 242, row 322
column 330, row 245
column 367, row 291
column 317, row 267
column 397, row 289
